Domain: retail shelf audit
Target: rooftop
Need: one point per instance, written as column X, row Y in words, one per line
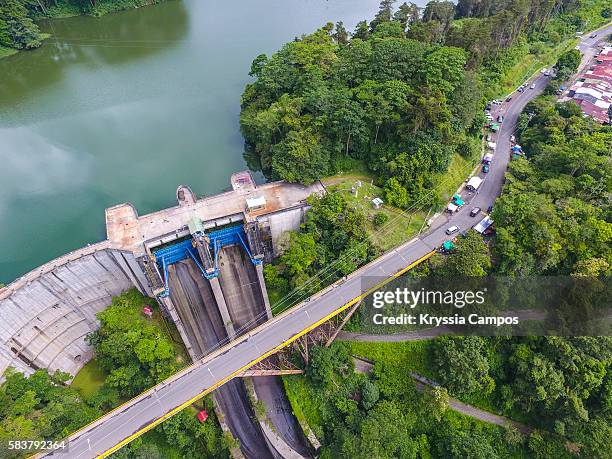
column 127, row 230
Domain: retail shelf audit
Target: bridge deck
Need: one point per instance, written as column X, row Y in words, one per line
column 149, row 409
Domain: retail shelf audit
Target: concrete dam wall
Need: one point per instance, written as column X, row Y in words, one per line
column 46, row 314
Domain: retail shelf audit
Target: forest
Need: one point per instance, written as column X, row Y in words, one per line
column 554, row 213
column 402, row 93
column 18, row 28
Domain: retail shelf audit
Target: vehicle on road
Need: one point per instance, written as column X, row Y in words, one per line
column 452, row 230
column 521, row 88
column 500, row 119
column 474, row 183
column 488, row 158
column 475, row 211
column 490, row 209
column 533, row 85
column 593, row 36
column 485, row 169
column 508, row 99
column 547, row 73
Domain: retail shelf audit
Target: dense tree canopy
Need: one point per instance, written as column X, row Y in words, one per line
column 333, row 240
column 554, row 213
column 379, row 96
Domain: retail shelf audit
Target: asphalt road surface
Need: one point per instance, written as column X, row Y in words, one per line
column 151, row 407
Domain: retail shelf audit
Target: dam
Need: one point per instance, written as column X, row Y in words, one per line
column 202, row 260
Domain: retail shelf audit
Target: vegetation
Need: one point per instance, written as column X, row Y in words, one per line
column 333, row 234
column 554, row 214
column 132, row 354
column 18, row 29
column 402, row 93
column 382, row 414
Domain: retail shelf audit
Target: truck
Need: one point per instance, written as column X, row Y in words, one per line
column 474, row 183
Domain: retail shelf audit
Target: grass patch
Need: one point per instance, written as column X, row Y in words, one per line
column 408, row 355
column 89, row 379
column 6, row 52
column 400, row 226
column 306, row 406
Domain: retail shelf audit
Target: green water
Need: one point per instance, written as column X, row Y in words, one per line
column 126, row 108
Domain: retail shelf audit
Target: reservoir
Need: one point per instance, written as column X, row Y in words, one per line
column 126, row 107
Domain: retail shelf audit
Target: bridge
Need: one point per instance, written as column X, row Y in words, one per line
column 138, row 235
column 130, row 420
column 135, row 417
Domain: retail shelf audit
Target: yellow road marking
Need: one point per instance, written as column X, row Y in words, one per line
column 262, row 357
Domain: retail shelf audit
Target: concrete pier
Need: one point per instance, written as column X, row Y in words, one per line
column 225, row 315
column 264, row 290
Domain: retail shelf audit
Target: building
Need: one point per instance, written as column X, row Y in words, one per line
column 593, row 89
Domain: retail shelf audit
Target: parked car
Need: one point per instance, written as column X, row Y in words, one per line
column 521, row 88
column 475, row 211
column 490, row 209
column 508, row 99
column 533, row 85
column 500, row 119
column 593, row 36
column 485, row 169
column 452, row 230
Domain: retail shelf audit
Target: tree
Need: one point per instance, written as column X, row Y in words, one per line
column 380, row 219
column 341, row 35
column 369, row 394
column 396, row 194
column 385, row 14
column 567, row 64
column 17, row 30
column 325, row 362
column 134, row 352
column 470, row 258
column 462, row 365
column 437, row 401
column 407, row 14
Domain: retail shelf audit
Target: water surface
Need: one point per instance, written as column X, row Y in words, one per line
column 127, row 107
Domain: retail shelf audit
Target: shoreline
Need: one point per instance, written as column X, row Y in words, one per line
column 68, row 10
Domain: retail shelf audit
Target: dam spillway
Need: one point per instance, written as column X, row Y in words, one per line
column 47, row 313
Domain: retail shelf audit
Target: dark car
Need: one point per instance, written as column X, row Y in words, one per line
column 508, row 99
column 485, row 168
column 500, row 119
column 490, row 209
column 475, row 211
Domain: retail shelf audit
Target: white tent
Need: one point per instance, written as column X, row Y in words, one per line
column 452, row 207
column 255, row 203
column 474, row 183
column 483, row 224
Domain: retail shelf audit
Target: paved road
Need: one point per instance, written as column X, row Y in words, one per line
column 159, row 403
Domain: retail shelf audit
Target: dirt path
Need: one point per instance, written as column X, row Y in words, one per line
column 421, row 382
